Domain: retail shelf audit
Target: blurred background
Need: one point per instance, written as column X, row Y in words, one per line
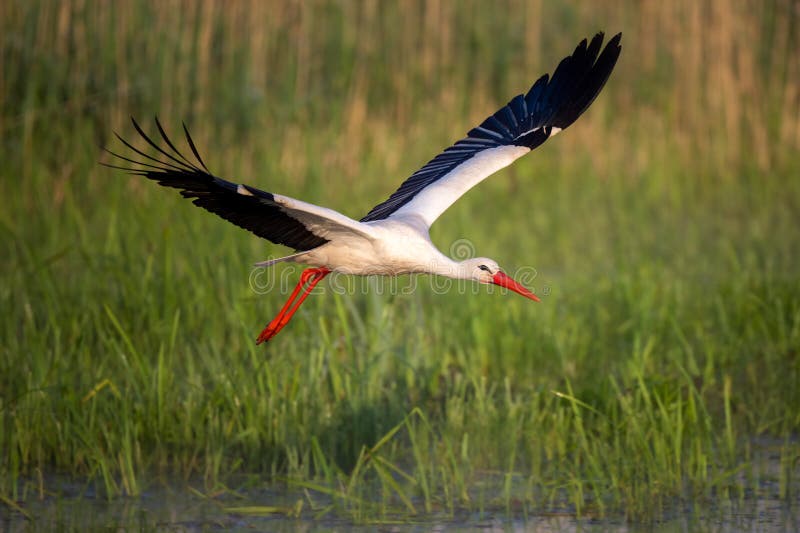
column 337, row 102
column 663, row 226
column 708, row 90
column 712, row 86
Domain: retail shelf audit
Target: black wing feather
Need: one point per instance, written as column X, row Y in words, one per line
column 255, row 212
column 525, row 121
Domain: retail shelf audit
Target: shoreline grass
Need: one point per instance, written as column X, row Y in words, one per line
column 662, row 230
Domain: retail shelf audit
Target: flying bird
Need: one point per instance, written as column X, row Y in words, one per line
column 393, row 237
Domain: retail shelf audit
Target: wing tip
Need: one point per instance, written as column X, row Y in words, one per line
column 166, row 157
column 581, row 81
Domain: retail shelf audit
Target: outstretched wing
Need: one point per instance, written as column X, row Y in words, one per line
column 277, row 218
column 523, row 124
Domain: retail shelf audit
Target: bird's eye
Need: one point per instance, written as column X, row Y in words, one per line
column 484, row 267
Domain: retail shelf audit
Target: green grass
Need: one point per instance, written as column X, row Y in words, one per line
column 661, row 365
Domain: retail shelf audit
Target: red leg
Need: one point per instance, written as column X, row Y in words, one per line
column 310, row 277
column 316, row 278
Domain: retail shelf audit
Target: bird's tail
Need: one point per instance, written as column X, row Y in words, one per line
column 294, row 258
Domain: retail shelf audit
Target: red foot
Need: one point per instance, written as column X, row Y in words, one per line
column 312, row 276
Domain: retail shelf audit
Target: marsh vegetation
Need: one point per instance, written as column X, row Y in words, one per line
column 661, row 366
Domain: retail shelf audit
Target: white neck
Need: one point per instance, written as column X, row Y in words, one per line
column 444, row 266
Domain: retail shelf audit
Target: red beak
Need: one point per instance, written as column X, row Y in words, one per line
column 505, row 281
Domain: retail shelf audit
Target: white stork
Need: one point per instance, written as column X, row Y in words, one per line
column 393, row 237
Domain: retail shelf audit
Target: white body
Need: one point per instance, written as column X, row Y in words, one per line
column 392, row 247
column 399, row 244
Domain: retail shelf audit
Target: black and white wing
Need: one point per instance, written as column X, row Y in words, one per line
column 274, row 217
column 524, row 123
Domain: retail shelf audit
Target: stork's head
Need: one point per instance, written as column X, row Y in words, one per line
column 485, row 270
